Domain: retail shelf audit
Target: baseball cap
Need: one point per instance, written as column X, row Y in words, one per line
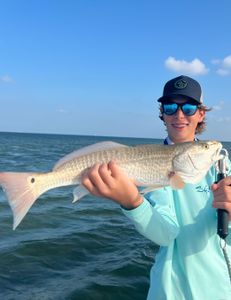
column 182, row 86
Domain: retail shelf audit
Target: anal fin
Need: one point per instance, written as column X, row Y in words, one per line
column 79, row 192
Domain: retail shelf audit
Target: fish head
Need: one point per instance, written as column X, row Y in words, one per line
column 196, row 158
column 204, row 154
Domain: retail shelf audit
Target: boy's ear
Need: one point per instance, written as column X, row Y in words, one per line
column 201, row 115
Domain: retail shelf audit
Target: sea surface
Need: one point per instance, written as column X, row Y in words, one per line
column 86, row 250
column 81, row 251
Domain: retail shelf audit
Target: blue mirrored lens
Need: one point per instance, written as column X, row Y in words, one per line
column 189, row 109
column 170, row 108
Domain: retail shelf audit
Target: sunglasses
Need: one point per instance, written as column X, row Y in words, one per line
column 187, row 108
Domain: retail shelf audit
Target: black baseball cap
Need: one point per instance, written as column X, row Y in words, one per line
column 182, row 86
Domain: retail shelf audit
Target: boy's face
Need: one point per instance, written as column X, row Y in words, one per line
column 181, row 128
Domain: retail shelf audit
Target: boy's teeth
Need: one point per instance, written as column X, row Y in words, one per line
column 179, row 125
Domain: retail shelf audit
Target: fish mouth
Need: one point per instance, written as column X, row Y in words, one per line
column 218, row 155
column 223, row 153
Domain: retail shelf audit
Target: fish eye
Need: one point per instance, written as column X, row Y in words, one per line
column 206, row 146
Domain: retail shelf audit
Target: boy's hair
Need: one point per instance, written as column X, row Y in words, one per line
column 201, row 126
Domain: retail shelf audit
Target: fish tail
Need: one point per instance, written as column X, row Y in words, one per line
column 22, row 191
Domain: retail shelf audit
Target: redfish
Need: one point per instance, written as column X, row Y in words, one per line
column 151, row 166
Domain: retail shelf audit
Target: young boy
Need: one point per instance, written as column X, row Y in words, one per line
column 190, row 264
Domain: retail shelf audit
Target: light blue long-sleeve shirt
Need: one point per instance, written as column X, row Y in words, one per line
column 190, row 264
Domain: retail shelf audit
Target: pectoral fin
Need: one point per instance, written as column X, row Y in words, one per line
column 176, row 181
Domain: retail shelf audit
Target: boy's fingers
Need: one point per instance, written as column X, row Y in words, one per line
column 95, row 177
column 87, row 183
column 214, row 187
column 106, row 174
column 115, row 169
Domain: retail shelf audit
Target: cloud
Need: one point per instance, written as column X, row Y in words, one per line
column 6, row 79
column 224, row 66
column 222, row 119
column 213, row 118
column 227, row 62
column 223, row 72
column 216, row 61
column 219, row 113
column 62, row 111
column 195, row 67
column 219, row 106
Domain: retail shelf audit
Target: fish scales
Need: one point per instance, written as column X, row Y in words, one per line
column 129, row 158
column 153, row 166
column 121, row 155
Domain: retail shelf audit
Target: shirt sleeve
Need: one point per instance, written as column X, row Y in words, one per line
column 229, row 167
column 155, row 217
column 228, row 239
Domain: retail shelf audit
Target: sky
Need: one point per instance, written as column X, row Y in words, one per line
column 97, row 67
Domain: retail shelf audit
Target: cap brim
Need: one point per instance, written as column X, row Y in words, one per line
column 164, row 99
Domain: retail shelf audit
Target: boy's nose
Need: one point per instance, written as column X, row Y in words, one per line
column 179, row 113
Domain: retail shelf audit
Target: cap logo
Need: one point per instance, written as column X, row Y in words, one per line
column 180, row 84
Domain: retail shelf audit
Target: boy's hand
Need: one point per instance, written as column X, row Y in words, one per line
column 222, row 195
column 108, row 180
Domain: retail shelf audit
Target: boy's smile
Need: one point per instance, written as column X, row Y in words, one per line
column 179, row 126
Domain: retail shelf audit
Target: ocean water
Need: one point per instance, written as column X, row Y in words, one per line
column 82, row 251
column 87, row 250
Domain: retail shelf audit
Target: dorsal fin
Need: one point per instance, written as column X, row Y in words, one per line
column 87, row 150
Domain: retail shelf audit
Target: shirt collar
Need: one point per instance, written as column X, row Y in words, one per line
column 168, row 141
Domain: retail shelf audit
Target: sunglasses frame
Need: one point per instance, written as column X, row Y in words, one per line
column 181, row 106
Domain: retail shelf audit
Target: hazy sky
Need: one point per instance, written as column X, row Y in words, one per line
column 98, row 66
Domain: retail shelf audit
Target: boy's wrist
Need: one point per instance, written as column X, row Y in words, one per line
column 137, row 201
